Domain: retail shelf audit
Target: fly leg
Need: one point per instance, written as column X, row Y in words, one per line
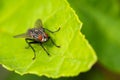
column 50, row 38
column 27, row 41
column 44, row 49
column 29, row 45
column 52, row 31
column 54, row 43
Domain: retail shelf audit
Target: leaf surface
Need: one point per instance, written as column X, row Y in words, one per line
column 75, row 54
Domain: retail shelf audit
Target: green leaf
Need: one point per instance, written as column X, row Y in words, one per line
column 101, row 26
column 75, row 54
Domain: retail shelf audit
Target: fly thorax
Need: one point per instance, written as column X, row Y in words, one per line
column 38, row 35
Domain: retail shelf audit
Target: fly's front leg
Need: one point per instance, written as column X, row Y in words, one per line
column 44, row 49
column 54, row 43
column 29, row 45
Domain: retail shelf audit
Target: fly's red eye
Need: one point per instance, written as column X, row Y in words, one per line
column 40, row 37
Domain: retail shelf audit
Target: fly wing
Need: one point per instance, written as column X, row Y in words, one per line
column 24, row 35
column 38, row 24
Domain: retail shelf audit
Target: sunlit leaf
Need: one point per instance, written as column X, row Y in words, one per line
column 75, row 54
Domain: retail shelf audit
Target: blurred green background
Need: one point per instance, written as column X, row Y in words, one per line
column 101, row 26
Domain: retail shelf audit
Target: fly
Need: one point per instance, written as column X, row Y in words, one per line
column 37, row 35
